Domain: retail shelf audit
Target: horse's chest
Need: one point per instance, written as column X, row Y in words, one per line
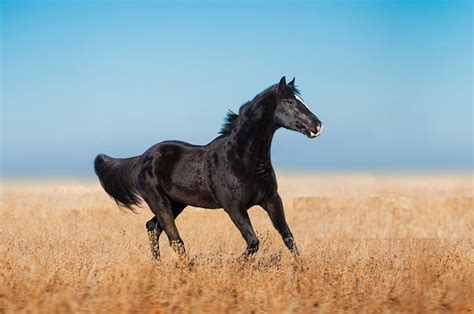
column 264, row 172
column 263, row 181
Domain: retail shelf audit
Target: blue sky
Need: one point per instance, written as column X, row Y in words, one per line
column 391, row 80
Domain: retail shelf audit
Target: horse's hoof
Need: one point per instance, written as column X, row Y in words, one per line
column 295, row 251
column 178, row 247
column 154, row 244
column 247, row 254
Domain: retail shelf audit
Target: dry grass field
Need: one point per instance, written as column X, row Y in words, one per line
column 367, row 243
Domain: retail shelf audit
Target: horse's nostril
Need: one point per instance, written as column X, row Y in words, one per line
column 319, row 128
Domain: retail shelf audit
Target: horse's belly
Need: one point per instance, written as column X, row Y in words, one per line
column 193, row 197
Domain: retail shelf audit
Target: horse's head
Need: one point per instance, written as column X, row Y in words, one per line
column 292, row 113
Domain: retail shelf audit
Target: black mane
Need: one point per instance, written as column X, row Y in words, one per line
column 231, row 117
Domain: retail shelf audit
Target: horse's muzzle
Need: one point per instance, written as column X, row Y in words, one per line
column 317, row 130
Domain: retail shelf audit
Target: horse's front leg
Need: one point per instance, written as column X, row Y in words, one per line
column 241, row 220
column 274, row 207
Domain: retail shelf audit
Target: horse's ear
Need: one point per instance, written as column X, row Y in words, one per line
column 292, row 83
column 282, row 84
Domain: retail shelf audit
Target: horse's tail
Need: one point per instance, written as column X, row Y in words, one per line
column 117, row 177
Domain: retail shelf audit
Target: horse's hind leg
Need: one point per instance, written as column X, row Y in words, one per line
column 162, row 207
column 154, row 232
column 154, row 229
column 169, row 226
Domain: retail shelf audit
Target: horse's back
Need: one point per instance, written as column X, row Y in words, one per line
column 181, row 171
column 171, row 146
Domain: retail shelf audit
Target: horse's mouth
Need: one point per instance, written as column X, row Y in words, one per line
column 312, row 135
column 315, row 133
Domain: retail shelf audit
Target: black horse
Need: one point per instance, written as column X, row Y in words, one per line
column 233, row 172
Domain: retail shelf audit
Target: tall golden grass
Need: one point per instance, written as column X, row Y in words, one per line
column 367, row 243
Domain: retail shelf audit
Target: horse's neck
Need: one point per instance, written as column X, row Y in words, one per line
column 253, row 136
